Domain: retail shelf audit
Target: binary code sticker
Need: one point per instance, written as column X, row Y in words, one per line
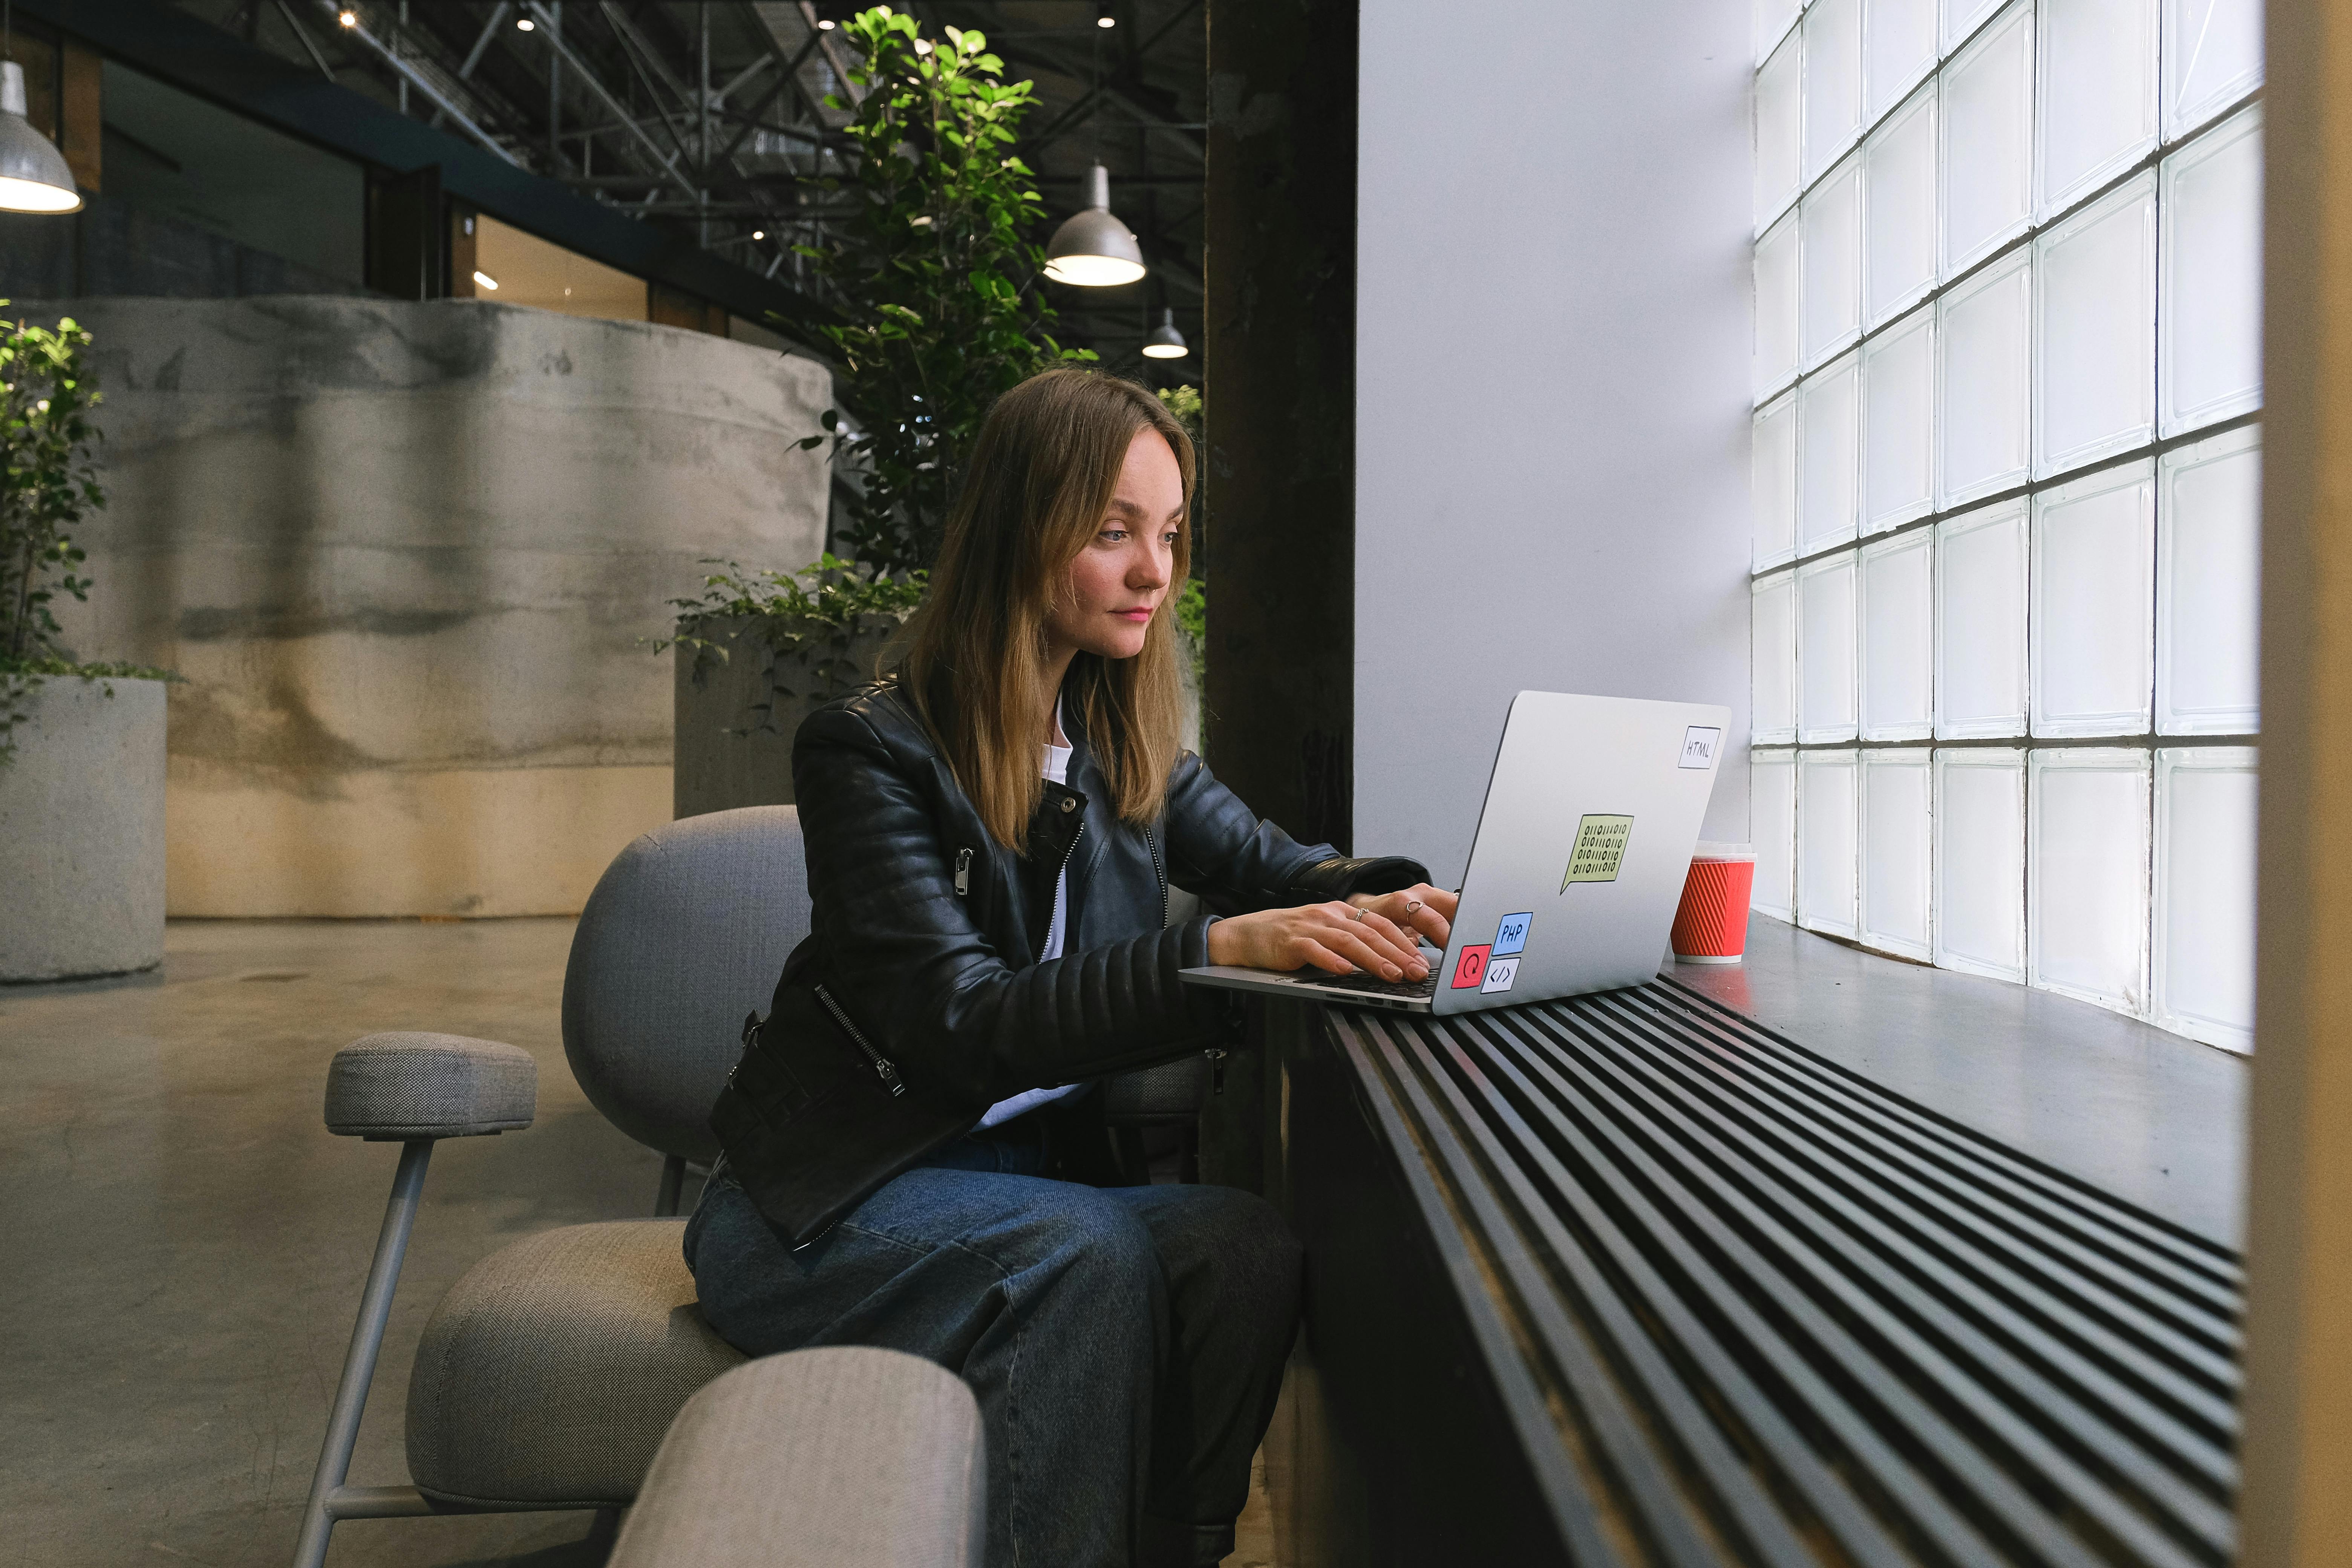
column 1599, row 848
column 1470, row 968
column 1500, row 972
column 1511, row 936
column 1698, row 746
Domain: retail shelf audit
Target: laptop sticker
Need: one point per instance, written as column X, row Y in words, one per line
column 1599, row 848
column 1471, row 967
column 1499, row 976
column 1698, row 747
column 1511, row 936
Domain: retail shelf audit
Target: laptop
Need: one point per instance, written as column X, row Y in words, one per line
column 1593, row 810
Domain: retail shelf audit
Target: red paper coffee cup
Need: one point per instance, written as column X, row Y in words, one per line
column 1711, row 926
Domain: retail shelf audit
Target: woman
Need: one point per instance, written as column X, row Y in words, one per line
column 913, row 1158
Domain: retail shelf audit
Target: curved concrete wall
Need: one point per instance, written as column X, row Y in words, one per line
column 409, row 557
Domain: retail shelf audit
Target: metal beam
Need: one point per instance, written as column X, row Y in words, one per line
column 603, row 94
column 499, row 13
column 410, row 74
column 273, row 89
column 304, row 40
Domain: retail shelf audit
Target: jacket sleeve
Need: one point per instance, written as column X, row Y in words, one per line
column 1219, row 848
column 917, row 973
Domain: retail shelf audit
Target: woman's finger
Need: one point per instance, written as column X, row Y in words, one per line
column 1384, row 938
column 1360, row 951
column 1426, row 920
column 1309, row 951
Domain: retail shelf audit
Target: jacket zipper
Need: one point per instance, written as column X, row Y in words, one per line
column 882, row 1068
column 1059, row 876
column 963, row 872
column 1153, row 844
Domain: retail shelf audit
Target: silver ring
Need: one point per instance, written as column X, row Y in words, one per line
column 1359, row 915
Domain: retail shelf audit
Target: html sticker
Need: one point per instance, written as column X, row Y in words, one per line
column 1500, row 972
column 1511, row 936
column 1699, row 743
column 1599, row 848
column 1471, row 967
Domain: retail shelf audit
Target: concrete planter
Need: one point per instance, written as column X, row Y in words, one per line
column 81, row 832
column 736, row 717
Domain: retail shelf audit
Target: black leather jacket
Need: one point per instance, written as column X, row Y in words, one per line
column 917, row 1001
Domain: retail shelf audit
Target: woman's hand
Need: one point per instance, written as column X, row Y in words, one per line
column 1337, row 937
column 1419, row 908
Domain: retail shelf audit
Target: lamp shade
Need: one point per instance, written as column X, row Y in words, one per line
column 1094, row 249
column 1165, row 341
column 33, row 177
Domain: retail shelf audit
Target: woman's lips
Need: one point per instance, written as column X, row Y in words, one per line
column 1139, row 615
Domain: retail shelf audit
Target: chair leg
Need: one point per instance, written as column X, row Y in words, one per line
column 673, row 1182
column 359, row 1363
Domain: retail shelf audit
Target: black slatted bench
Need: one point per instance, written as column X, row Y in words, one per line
column 1628, row 1279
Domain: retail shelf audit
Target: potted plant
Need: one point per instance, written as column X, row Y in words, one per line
column 938, row 282
column 755, row 652
column 81, row 744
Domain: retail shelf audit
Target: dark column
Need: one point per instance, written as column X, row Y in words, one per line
column 1280, row 355
column 408, row 235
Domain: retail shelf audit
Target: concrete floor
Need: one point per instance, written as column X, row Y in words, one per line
column 186, row 1243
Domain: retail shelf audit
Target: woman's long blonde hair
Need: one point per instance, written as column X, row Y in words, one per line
column 1040, row 483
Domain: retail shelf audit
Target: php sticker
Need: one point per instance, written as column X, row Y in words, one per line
column 1500, row 972
column 1699, row 743
column 1471, row 967
column 1599, row 848
column 1511, row 936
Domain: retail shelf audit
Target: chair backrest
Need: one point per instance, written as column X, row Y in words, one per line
column 686, row 933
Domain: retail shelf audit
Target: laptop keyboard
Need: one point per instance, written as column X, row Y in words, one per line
column 1424, row 988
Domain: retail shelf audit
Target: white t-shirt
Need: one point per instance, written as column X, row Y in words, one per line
column 1057, row 767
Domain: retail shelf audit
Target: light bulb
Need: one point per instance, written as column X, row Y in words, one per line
column 525, row 24
column 1165, row 341
column 486, row 281
column 1106, row 21
column 1092, row 249
column 759, row 233
column 33, row 175
column 824, row 24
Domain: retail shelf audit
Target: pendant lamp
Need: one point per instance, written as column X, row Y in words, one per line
column 33, row 177
column 1165, row 341
column 1094, row 249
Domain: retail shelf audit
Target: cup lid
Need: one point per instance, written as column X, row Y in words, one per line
column 1708, row 851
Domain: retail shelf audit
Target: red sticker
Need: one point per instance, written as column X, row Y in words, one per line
column 1471, row 967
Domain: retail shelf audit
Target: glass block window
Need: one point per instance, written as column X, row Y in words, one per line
column 2007, row 481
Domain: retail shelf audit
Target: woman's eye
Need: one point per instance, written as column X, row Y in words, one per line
column 1112, row 535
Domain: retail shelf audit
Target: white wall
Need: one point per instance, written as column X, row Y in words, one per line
column 1551, row 416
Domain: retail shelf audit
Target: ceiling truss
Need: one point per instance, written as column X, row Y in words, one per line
column 708, row 115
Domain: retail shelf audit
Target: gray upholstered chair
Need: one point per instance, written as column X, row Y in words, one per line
column 841, row 1457
column 549, row 1372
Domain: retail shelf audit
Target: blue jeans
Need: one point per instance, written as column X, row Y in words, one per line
column 1126, row 1343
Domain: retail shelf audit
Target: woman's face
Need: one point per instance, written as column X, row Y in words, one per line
column 1122, row 574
